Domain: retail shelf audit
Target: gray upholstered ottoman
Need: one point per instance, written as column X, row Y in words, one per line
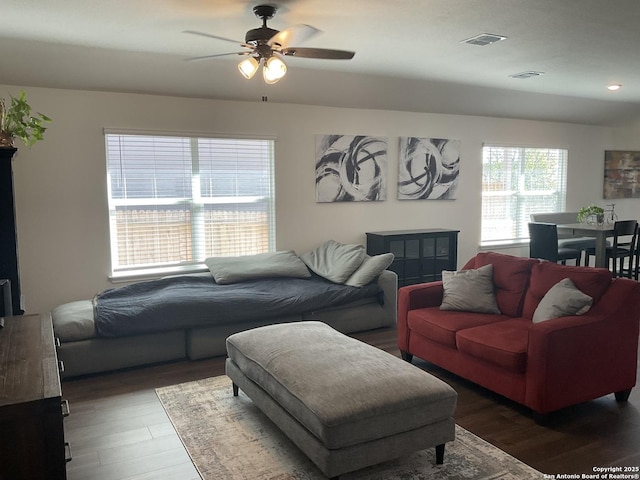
column 346, row 404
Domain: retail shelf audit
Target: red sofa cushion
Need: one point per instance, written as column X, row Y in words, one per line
column 503, row 344
column 592, row 281
column 441, row 325
column 510, row 278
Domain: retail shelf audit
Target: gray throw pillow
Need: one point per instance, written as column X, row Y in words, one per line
column 227, row 270
column 74, row 321
column 563, row 299
column 334, row 261
column 369, row 270
column 469, row 291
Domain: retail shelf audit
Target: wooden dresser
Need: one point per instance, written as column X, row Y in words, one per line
column 31, row 411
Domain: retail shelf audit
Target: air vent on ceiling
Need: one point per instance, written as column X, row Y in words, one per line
column 527, row 74
column 484, row 39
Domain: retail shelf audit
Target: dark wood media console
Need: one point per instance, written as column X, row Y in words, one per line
column 32, row 442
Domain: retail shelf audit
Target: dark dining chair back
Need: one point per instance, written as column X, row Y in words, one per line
column 634, row 264
column 543, row 244
column 625, row 235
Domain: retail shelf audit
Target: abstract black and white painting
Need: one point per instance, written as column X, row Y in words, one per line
column 428, row 168
column 351, row 168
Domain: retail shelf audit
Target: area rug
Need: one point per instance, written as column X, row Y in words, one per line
column 228, row 437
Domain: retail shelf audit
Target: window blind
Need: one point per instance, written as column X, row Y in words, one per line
column 516, row 182
column 178, row 200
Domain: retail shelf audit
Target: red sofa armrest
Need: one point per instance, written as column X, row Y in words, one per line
column 413, row 297
column 579, row 358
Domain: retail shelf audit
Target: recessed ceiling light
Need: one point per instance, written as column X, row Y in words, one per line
column 614, row 86
column 484, row 39
column 527, row 74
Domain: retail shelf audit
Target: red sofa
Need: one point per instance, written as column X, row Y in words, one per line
column 545, row 366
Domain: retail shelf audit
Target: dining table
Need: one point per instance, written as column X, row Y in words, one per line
column 598, row 231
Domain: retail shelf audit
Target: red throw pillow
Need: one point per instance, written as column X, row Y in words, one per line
column 510, row 279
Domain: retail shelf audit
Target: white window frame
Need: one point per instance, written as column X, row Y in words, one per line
column 195, row 204
column 517, row 210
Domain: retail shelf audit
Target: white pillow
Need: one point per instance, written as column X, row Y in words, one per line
column 227, row 270
column 334, row 261
column 369, row 270
column 469, row 291
column 563, row 299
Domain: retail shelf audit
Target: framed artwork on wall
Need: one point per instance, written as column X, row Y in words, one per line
column 621, row 174
column 351, row 168
column 428, row 168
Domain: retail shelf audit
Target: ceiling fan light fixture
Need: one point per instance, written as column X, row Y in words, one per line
column 248, row 67
column 274, row 69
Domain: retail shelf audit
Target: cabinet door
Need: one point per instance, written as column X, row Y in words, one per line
column 438, row 254
column 406, row 263
column 412, row 263
column 430, row 270
column 397, row 248
column 443, row 252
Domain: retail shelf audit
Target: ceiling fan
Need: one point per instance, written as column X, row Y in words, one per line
column 267, row 46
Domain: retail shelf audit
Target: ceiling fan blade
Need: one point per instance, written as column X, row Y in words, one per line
column 317, row 53
column 294, row 34
column 203, row 34
column 207, row 57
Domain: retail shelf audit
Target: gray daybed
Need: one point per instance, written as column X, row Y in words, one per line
column 139, row 324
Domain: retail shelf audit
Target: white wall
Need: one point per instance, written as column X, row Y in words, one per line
column 61, row 188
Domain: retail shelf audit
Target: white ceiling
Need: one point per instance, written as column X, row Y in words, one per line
column 408, row 53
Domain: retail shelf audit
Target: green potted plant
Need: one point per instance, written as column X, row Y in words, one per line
column 591, row 214
column 16, row 121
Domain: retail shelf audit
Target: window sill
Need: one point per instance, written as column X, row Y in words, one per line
column 152, row 273
column 503, row 244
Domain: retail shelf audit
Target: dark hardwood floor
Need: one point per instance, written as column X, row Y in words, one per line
column 118, row 428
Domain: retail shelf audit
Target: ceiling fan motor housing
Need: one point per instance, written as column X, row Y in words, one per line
column 260, row 35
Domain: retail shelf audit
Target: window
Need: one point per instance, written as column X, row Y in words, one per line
column 516, row 182
column 174, row 201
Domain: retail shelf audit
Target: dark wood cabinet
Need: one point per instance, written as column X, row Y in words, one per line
column 32, row 443
column 8, row 240
column 420, row 255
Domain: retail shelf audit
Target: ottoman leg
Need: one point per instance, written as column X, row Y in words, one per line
column 440, row 454
column 235, row 389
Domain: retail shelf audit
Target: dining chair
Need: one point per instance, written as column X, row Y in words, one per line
column 625, row 235
column 636, row 263
column 632, row 268
column 543, row 244
column 565, row 239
